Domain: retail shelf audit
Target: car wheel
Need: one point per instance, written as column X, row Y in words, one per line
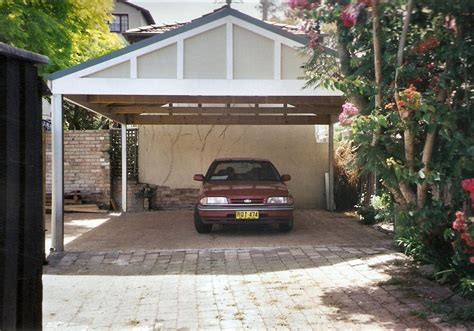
column 286, row 227
column 199, row 225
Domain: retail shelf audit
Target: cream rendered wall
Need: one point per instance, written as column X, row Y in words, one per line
column 253, row 55
column 121, row 70
column 171, row 155
column 135, row 17
column 205, row 55
column 291, row 63
column 158, row 64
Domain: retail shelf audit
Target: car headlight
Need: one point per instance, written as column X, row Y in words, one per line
column 214, row 201
column 280, row 200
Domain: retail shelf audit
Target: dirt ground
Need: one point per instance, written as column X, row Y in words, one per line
column 175, row 230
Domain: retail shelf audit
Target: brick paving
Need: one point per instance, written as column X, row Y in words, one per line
column 306, row 287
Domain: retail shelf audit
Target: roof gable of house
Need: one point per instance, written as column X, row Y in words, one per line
column 146, row 14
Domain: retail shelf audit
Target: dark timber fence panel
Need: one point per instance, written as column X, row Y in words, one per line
column 21, row 191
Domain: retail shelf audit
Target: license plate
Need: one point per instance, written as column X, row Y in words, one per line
column 246, row 215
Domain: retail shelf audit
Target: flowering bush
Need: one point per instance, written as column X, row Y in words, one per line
column 302, row 4
column 348, row 111
column 468, row 186
column 421, row 151
column 351, row 12
column 462, row 240
column 410, row 101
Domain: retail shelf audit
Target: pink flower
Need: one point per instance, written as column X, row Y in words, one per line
column 301, row 4
column 450, row 23
column 348, row 111
column 468, row 185
column 350, row 13
column 458, row 223
column 471, row 260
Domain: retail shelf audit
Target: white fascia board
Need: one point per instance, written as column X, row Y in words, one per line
column 192, row 87
column 264, row 32
column 149, row 48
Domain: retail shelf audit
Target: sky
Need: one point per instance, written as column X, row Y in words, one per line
column 169, row 11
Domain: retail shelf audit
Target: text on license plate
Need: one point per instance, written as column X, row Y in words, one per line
column 246, row 215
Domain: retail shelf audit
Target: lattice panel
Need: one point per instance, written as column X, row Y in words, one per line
column 116, row 152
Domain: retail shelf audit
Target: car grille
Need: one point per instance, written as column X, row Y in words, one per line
column 242, row 201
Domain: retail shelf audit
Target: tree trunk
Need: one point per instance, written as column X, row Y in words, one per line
column 422, row 189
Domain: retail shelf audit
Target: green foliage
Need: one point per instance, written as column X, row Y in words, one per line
column 438, row 62
column 68, row 32
column 453, row 313
column 378, row 210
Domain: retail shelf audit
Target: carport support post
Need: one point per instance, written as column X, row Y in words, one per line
column 331, row 164
column 57, row 206
column 124, row 167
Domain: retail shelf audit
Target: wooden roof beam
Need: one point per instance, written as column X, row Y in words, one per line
column 228, row 120
column 164, row 99
column 146, row 109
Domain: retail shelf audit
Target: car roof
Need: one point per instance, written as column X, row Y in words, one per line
column 240, row 159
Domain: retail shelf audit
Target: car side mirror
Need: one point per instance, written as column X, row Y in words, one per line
column 199, row 177
column 285, row 178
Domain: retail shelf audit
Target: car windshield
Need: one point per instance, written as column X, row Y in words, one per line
column 242, row 170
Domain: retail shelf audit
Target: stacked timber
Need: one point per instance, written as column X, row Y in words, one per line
column 73, row 204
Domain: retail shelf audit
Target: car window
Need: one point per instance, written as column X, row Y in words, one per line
column 242, row 170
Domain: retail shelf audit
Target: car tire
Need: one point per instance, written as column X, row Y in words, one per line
column 199, row 225
column 286, row 227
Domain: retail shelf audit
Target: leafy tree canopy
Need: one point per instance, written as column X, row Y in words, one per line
column 68, row 32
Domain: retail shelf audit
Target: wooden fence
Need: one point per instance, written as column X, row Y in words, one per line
column 21, row 190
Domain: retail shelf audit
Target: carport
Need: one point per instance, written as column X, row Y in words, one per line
column 225, row 68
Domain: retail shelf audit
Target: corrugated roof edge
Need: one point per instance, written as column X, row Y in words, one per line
column 22, row 54
column 226, row 11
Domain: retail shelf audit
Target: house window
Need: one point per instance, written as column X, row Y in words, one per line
column 119, row 24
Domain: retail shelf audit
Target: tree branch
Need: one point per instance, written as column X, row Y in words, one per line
column 407, row 192
column 397, row 195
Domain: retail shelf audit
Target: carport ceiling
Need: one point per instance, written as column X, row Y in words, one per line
column 225, row 110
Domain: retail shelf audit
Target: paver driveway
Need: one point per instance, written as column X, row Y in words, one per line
column 288, row 282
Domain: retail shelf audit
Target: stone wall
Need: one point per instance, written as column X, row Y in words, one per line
column 86, row 164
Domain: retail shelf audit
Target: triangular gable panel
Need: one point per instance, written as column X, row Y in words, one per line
column 223, row 45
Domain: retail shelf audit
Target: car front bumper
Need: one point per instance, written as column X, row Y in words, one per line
column 225, row 214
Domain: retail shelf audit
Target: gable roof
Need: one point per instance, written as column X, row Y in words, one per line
column 146, row 14
column 211, row 17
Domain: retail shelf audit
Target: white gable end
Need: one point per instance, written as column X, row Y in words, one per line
column 209, row 51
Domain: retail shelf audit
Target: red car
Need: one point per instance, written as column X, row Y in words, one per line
column 243, row 191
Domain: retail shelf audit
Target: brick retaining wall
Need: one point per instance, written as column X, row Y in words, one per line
column 166, row 198
column 86, row 164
